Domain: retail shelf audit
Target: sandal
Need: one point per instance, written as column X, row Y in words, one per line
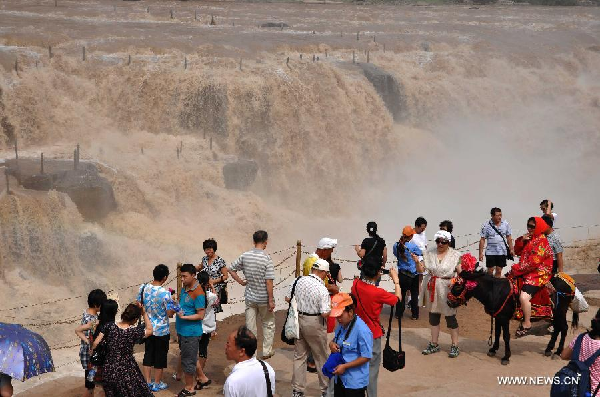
column 185, row 393
column 200, row 385
column 522, row 331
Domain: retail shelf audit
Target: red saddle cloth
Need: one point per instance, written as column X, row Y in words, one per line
column 541, row 304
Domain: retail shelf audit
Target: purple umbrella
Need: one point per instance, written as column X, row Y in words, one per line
column 23, row 353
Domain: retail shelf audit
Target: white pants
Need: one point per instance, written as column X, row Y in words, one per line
column 253, row 310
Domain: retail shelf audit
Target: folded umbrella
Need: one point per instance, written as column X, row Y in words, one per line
column 23, row 353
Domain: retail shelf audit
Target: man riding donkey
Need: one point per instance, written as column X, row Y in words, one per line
column 533, row 274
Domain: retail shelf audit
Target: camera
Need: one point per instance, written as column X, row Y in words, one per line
column 385, row 271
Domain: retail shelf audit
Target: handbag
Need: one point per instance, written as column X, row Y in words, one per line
column 98, row 356
column 223, row 295
column 142, row 340
column 393, row 360
column 508, row 254
column 579, row 304
column 336, row 358
column 293, row 317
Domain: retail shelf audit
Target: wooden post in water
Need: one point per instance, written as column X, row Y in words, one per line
column 195, row 15
column 142, row 149
column 353, row 57
column 147, row 10
column 384, row 48
column 211, row 143
column 75, row 159
column 42, row 164
column 16, row 149
column 84, row 53
column 298, row 255
column 17, row 66
column 374, row 41
column 55, row 3
column 177, row 152
column 357, row 33
column 288, row 61
column 241, row 64
column 178, row 280
column 129, row 60
column 50, row 51
column 171, row 14
column 300, row 56
column 180, row 146
column 368, row 56
column 184, row 63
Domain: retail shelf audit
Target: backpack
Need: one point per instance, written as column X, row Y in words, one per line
column 564, row 384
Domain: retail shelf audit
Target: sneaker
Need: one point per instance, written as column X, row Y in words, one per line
column 431, row 348
column 91, row 375
column 160, row 386
column 151, row 386
column 297, row 393
column 454, row 351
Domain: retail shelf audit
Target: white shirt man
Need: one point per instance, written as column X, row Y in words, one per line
column 247, row 378
column 314, row 306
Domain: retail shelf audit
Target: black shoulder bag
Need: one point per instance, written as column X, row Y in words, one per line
column 142, row 340
column 98, row 356
column 283, row 337
column 267, row 378
column 508, row 254
column 393, row 360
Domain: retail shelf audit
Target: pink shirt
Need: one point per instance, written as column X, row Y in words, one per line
column 588, row 347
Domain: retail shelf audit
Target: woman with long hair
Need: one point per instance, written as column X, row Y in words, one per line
column 372, row 246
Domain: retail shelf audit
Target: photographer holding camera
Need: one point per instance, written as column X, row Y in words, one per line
column 370, row 300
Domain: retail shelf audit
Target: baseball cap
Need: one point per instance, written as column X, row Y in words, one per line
column 339, row 302
column 408, row 231
column 327, row 243
column 321, row 264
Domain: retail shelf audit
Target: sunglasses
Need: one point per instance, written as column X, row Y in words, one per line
column 530, row 226
column 443, row 242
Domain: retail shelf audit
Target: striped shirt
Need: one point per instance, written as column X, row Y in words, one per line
column 258, row 268
column 495, row 243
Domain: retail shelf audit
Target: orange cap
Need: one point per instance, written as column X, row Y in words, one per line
column 339, row 302
column 408, row 231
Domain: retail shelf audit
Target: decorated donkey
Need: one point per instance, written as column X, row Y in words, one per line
column 500, row 300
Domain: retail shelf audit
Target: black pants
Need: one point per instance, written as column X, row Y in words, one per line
column 340, row 391
column 408, row 284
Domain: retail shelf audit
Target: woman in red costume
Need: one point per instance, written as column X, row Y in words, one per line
column 535, row 269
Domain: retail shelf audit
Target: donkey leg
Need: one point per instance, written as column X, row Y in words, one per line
column 555, row 331
column 561, row 323
column 496, row 346
column 506, row 335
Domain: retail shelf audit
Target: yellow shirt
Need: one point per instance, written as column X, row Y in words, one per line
column 308, row 264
